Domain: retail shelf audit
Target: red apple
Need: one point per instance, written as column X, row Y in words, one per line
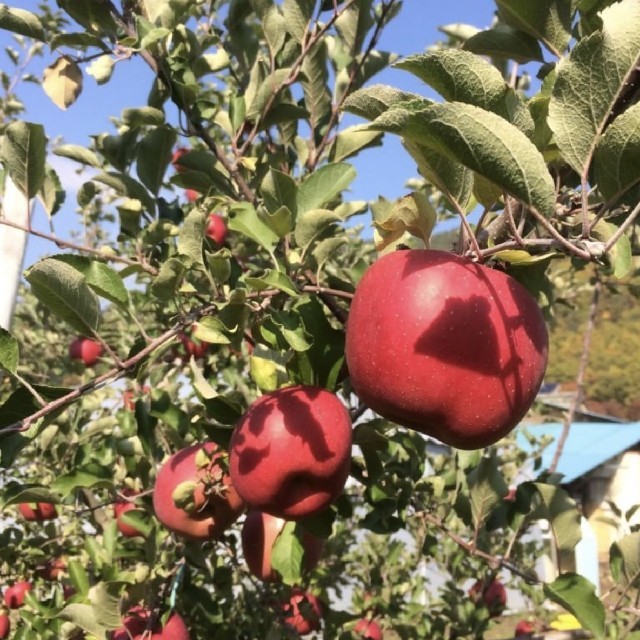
column 122, row 506
column 493, row 594
column 52, row 569
column 216, row 229
column 193, row 346
column 524, row 629
column 216, row 504
column 85, row 349
column 303, row 612
column 38, row 511
column 259, row 533
column 175, row 159
column 5, row 626
column 191, row 194
column 368, row 630
column 290, row 453
column 136, row 626
column 14, row 595
column 447, row 347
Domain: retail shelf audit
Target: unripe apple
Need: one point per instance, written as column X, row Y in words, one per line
column 445, row 346
column 38, row 511
column 85, row 349
column 14, row 595
column 5, row 626
column 303, row 612
column 122, row 506
column 136, row 626
column 368, row 630
column 211, row 501
column 216, row 229
column 290, row 453
column 259, row 533
column 175, row 159
column 493, row 594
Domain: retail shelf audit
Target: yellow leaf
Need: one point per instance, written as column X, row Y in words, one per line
column 63, row 82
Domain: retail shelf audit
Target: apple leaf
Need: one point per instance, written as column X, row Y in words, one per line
column 287, row 553
column 371, row 102
column 244, row 218
column 8, row 351
column 577, row 595
column 105, row 598
column 126, row 186
column 502, row 41
column 311, row 223
column 620, row 255
column 486, row 488
column 62, row 82
column 21, row 22
column 16, row 493
column 624, row 560
column 168, row 280
column 23, row 153
column 192, row 234
column 272, row 279
column 323, row 186
column 78, row 576
column 210, row 329
column 279, row 189
column 153, row 156
column 352, row 140
column 297, row 17
column 183, row 496
column 458, row 75
column 138, row 519
column 65, row 292
column 480, row 140
column 83, row 616
column 591, row 80
column 91, row 476
column 51, row 194
column 267, row 368
column 560, row 509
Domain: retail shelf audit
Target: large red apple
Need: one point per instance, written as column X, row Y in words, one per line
column 216, row 229
column 368, row 630
column 290, row 453
column 493, row 594
column 445, row 346
column 303, row 612
column 136, row 626
column 5, row 626
column 259, row 533
column 216, row 504
column 38, row 511
column 85, row 349
column 122, row 506
column 14, row 595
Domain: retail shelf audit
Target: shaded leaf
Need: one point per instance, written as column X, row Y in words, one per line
column 624, row 559
column 154, row 154
column 502, row 41
column 563, row 516
column 22, row 22
column 23, row 151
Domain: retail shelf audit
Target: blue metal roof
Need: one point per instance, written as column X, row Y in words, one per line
column 589, row 445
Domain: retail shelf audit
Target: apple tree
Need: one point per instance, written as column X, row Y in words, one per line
column 208, row 428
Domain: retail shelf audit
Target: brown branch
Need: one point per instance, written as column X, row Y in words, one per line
column 582, row 368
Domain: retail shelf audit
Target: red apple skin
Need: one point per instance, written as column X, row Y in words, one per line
column 524, row 629
column 368, row 630
column 290, row 453
column 446, row 347
column 211, row 519
column 175, row 159
column 295, row 619
column 14, row 595
column 85, row 349
column 5, row 626
column 494, row 596
column 38, row 512
column 259, row 533
column 216, row 229
column 120, row 507
column 191, row 195
column 135, row 625
column 52, row 569
column 196, row 348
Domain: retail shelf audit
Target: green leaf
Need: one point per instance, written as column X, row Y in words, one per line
column 617, row 156
column 591, row 80
column 64, row 291
column 21, row 404
column 138, row 519
column 22, row 22
column 486, row 489
column 563, row 516
column 502, row 41
column 546, row 20
column 317, row 98
column 287, row 553
column 77, row 41
column 279, row 189
column 621, row 254
column 624, row 559
column 244, row 218
column 168, row 280
column 17, row 493
column 352, row 140
column 154, row 154
column 141, row 116
column 191, row 235
column 310, row 224
column 92, row 476
column 99, row 276
column 78, row 576
column 324, row 185
column 8, row 351
column 290, row 326
column 297, row 16
column 83, row 616
column 267, row 368
column 462, row 76
column 373, row 101
column 577, row 595
column 51, row 194
column 125, row 185
column 23, row 151
column 93, row 16
column 483, row 142
column 268, row 87
column 62, row 82
column 272, row 279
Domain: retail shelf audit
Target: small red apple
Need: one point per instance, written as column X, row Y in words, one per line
column 5, row 626
column 290, row 453
column 445, row 346
column 14, row 595
column 216, row 229
column 175, row 159
column 122, row 506
column 137, row 626
column 193, row 346
column 191, row 194
column 259, row 533
column 493, row 595
column 368, row 630
column 524, row 629
column 85, row 349
column 52, row 569
column 214, row 502
column 303, row 612
column 38, row 511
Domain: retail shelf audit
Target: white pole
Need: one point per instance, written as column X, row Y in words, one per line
column 15, row 208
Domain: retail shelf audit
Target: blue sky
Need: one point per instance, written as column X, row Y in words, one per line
column 381, row 171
